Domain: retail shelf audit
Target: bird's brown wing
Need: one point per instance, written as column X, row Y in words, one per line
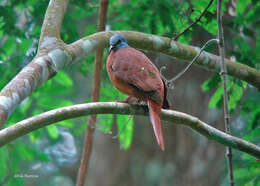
column 134, row 68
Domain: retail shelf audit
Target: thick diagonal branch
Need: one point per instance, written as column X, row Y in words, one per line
column 26, row 126
column 51, row 57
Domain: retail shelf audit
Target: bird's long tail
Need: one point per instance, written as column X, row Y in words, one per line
column 155, row 117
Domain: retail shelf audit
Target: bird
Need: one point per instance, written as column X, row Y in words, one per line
column 134, row 74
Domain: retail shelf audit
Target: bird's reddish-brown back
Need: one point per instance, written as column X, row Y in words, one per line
column 130, row 70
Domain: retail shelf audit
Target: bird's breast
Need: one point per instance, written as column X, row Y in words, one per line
column 119, row 84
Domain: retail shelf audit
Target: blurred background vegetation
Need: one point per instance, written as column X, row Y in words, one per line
column 53, row 153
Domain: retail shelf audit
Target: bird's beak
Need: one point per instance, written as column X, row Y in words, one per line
column 111, row 48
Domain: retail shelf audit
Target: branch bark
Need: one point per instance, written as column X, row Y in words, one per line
column 28, row 125
column 51, row 56
column 91, row 123
column 53, row 19
column 169, row 47
column 45, row 66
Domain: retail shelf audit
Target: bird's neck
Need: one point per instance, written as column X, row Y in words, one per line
column 122, row 45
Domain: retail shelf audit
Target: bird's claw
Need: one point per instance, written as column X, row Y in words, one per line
column 125, row 100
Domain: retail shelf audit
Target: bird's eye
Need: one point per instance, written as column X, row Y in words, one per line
column 118, row 42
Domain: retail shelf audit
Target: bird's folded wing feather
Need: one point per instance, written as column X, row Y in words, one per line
column 133, row 67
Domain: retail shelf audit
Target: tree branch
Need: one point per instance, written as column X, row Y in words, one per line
column 51, row 57
column 195, row 22
column 28, row 125
column 82, row 47
column 45, row 66
column 91, row 123
column 53, row 19
column 221, row 46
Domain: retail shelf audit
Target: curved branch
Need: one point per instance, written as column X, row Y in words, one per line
column 167, row 46
column 26, row 126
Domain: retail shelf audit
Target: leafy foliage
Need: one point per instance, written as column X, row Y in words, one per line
column 235, row 91
column 20, row 25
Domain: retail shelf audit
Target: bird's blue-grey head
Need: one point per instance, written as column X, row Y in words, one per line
column 116, row 42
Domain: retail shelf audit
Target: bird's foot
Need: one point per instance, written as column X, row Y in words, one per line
column 137, row 101
column 125, row 100
column 140, row 102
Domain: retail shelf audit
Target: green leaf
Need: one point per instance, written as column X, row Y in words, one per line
column 63, row 79
column 105, row 122
column 252, row 135
column 235, row 96
column 125, row 129
column 241, row 6
column 212, row 27
column 25, row 105
column 247, row 173
column 24, row 45
column 67, row 123
column 216, row 98
column 52, row 103
column 255, row 118
column 29, row 153
column 51, row 87
column 9, row 46
column 250, row 160
column 80, row 129
column 25, row 151
column 3, row 161
column 109, row 93
column 53, row 131
column 36, row 135
column 211, row 83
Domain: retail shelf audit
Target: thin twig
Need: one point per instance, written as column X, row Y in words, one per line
column 169, row 83
column 195, row 22
column 123, row 128
column 223, row 73
column 91, row 123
